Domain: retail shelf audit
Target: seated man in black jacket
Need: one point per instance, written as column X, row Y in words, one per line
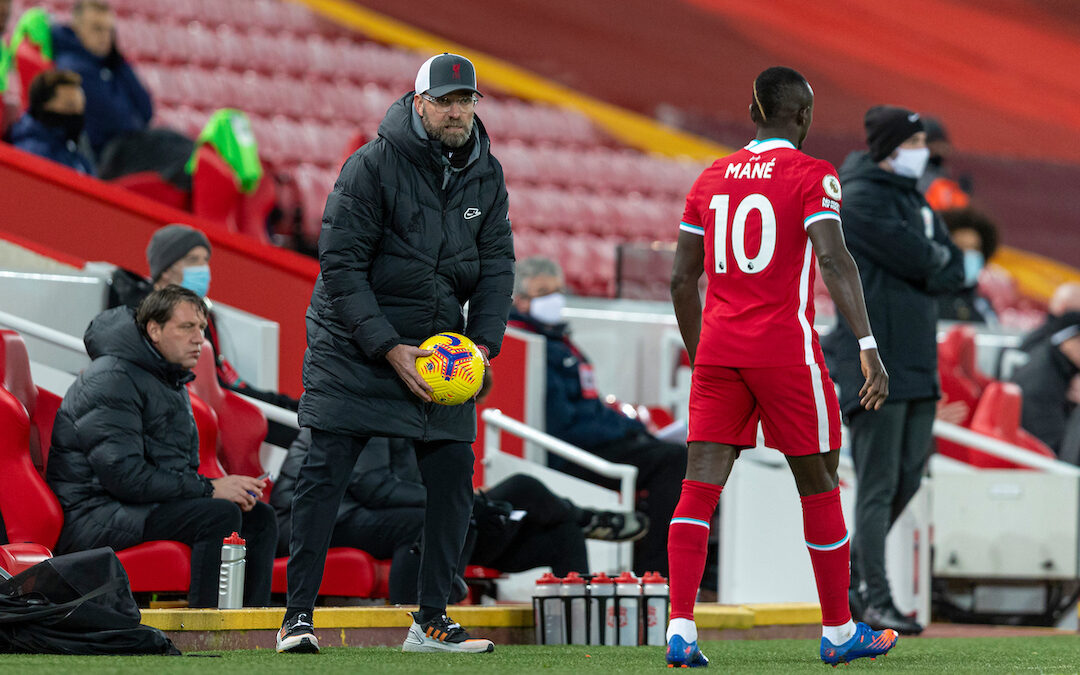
column 125, row 451
column 575, row 413
column 517, row 525
column 1049, row 384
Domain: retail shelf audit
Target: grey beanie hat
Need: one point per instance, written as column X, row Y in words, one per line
column 171, row 243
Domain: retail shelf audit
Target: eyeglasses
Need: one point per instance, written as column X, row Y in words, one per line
column 444, row 103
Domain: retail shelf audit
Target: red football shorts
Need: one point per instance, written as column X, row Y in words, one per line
column 796, row 405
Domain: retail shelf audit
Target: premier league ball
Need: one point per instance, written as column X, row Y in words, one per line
column 455, row 371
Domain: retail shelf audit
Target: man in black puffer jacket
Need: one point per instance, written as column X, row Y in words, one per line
column 905, row 260
column 125, row 451
column 416, row 226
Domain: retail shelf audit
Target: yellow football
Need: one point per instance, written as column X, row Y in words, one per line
column 455, row 371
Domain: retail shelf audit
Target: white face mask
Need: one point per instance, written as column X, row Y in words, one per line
column 910, row 162
column 548, row 308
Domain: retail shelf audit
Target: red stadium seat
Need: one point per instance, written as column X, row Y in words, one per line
column 998, row 416
column 29, row 61
column 214, row 193
column 253, row 209
column 40, row 405
column 960, row 378
column 206, row 423
column 18, row 557
column 150, row 184
column 349, row 572
column 241, row 425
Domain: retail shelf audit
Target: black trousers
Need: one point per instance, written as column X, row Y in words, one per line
column 202, row 524
column 661, row 468
column 890, row 447
column 549, row 534
column 446, row 469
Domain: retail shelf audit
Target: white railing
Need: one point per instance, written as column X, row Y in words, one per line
column 1001, row 449
column 497, row 422
column 50, row 335
column 74, row 344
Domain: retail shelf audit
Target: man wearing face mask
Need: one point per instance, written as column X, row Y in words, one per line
column 576, row 414
column 905, row 259
column 179, row 254
column 976, row 237
column 53, row 123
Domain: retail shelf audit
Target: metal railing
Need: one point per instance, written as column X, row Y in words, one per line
column 945, row 430
column 74, row 344
column 497, row 422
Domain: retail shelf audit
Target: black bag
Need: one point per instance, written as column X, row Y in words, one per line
column 78, row 603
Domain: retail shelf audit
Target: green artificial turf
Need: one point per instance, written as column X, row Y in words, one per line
column 1047, row 654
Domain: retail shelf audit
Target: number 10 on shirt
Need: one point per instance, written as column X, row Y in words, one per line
column 720, row 205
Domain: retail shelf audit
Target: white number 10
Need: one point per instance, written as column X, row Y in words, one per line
column 755, row 202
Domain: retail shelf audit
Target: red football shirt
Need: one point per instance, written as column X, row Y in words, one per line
column 752, row 208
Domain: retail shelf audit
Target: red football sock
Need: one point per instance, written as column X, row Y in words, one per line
column 688, row 544
column 827, row 540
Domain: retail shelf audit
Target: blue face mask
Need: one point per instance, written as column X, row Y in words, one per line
column 973, row 264
column 197, row 279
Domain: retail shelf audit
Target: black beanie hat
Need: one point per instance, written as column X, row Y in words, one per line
column 171, row 243
column 887, row 127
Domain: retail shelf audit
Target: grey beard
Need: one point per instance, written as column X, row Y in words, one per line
column 448, row 140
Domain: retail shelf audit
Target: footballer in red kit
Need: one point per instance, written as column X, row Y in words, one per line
column 752, row 209
column 754, row 223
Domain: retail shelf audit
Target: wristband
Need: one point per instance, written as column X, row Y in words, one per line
column 867, row 342
column 484, row 350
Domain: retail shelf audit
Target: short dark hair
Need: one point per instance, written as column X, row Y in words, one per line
column 44, row 85
column 159, row 305
column 969, row 218
column 779, row 94
column 82, row 5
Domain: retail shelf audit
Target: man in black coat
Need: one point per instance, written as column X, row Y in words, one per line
column 125, row 451
column 416, row 226
column 1049, row 394
column 905, row 259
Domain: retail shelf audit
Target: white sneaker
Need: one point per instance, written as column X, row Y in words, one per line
column 297, row 636
column 442, row 635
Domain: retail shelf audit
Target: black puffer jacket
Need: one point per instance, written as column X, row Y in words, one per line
column 905, row 259
column 124, row 439
column 406, row 242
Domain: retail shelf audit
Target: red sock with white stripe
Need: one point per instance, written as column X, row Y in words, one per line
column 688, row 544
column 827, row 540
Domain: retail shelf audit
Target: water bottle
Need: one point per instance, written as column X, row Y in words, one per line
column 655, row 590
column 573, row 594
column 231, row 578
column 601, row 610
column 628, row 608
column 548, row 611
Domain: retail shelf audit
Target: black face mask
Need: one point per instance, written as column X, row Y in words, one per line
column 936, row 160
column 71, row 124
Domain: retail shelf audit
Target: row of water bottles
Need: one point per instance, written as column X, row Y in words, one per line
column 601, row 610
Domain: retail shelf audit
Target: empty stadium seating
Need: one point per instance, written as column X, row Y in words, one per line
column 310, row 87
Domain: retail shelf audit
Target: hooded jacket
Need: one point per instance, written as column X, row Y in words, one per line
column 905, row 259
column 124, row 439
column 32, row 136
column 406, row 241
column 116, row 102
column 571, row 413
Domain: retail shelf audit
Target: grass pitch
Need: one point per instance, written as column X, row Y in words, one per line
column 1052, row 654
